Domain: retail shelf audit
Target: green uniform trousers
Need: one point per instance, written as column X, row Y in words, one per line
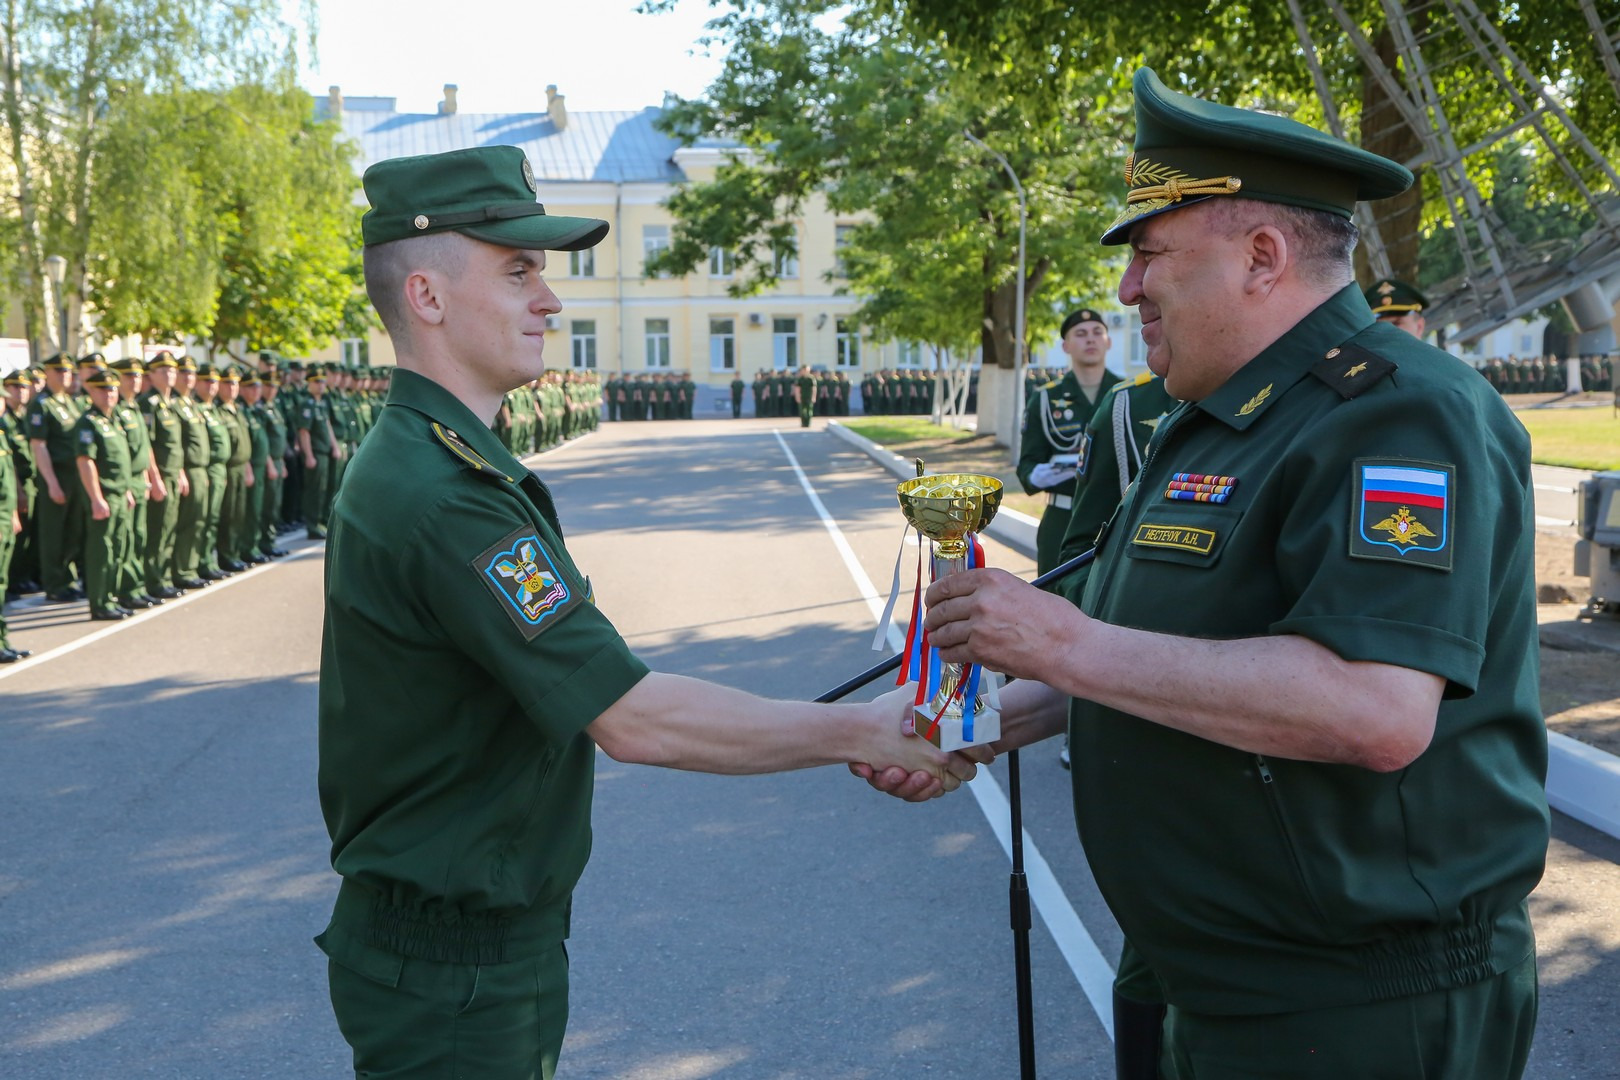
column 61, row 531
column 269, row 513
column 25, row 554
column 188, row 530
column 162, row 522
column 106, row 547
column 212, row 508
column 1049, row 533
column 234, row 539
column 132, row 570
column 410, row 1019
column 8, row 544
column 1478, row 1032
column 317, row 492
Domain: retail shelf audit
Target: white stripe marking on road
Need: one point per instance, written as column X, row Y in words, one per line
column 1542, row 520
column 150, row 613
column 1091, row 969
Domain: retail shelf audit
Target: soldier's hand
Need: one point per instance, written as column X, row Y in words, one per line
column 99, row 510
column 57, row 496
column 182, row 485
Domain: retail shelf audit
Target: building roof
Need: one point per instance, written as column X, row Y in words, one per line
column 601, row 146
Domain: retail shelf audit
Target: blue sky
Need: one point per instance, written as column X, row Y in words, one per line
column 501, row 54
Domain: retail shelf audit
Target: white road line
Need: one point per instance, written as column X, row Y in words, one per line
column 150, row 613
column 1554, row 487
column 1091, row 969
column 1542, row 520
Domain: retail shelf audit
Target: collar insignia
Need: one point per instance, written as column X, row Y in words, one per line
column 1256, row 401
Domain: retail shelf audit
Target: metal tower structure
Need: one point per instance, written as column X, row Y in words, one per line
column 1439, row 69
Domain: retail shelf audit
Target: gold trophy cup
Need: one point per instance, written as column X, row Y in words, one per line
column 947, row 508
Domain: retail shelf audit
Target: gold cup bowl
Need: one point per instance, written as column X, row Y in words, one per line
column 947, row 507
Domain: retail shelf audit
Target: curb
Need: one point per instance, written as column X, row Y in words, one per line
column 1012, row 528
column 1582, row 781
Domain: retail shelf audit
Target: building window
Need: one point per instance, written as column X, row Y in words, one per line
column 787, row 257
column 841, row 237
column 654, row 242
column 722, row 345
column 583, row 334
column 356, row 352
column 785, row 343
column 909, row 355
column 582, row 263
column 720, row 262
column 849, row 345
column 658, row 343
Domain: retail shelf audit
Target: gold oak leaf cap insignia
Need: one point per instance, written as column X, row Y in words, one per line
column 1187, row 150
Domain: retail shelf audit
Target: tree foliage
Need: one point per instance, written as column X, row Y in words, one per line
column 843, row 102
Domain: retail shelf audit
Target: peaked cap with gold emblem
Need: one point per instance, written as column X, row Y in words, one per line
column 1392, row 296
column 486, row 192
column 1188, row 150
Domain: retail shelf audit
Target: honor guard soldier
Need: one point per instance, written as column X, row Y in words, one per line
column 60, row 504
column 18, row 389
column 167, row 437
column 467, row 675
column 1301, row 683
column 1394, row 301
column 108, row 480
column 145, row 485
column 1055, row 424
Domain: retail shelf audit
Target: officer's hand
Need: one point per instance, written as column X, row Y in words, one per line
column 157, row 490
column 182, row 485
column 1048, row 475
column 309, row 461
column 129, row 500
column 16, row 523
column 57, row 496
column 99, row 510
column 992, row 618
column 247, row 476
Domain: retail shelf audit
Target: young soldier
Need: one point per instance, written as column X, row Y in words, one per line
column 167, row 437
column 467, row 678
column 60, row 504
column 108, row 481
column 196, row 456
column 319, row 445
column 10, row 529
column 146, row 485
column 19, row 391
column 218, row 433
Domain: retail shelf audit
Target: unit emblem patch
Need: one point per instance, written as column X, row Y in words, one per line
column 1402, row 511
column 525, row 579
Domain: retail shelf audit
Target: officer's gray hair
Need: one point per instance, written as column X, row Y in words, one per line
column 388, row 265
column 1322, row 242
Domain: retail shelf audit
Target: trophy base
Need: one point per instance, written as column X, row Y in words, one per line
column 948, row 735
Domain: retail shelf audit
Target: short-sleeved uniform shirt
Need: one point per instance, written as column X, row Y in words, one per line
column 133, row 424
column 52, row 419
column 1359, row 488
column 196, row 447
column 101, row 439
column 315, row 417
column 463, row 658
column 165, row 432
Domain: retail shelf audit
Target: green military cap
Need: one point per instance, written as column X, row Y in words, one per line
column 1187, row 151
column 207, row 371
column 162, row 359
column 103, row 378
column 1392, row 296
column 295, row 365
column 486, row 192
column 128, row 365
column 230, row 374
column 94, row 359
column 15, row 378
column 252, row 379
column 58, row 362
column 315, row 374
column 1084, row 315
column 186, row 363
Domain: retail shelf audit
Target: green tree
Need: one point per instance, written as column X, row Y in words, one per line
column 65, row 65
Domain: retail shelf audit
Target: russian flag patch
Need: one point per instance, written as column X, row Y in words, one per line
column 1402, row 511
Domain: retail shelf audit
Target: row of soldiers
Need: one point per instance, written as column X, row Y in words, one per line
column 665, row 396
column 144, row 480
column 551, row 409
column 1549, row 375
column 800, row 393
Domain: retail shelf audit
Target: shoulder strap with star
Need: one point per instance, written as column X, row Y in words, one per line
column 1352, row 370
column 466, row 455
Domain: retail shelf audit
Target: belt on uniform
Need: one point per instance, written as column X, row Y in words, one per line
column 1062, row 502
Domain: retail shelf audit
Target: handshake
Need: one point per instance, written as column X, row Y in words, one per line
column 918, row 772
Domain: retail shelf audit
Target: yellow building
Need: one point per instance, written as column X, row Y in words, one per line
column 619, row 167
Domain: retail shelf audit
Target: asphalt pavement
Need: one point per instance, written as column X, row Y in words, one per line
column 163, row 864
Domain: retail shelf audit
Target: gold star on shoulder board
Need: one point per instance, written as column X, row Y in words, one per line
column 1153, row 424
column 1353, row 372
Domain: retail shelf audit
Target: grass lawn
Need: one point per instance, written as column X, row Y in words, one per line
column 890, row 430
column 1578, row 438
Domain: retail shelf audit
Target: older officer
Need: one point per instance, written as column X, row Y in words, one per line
column 467, row 677
column 1394, row 301
column 1055, row 423
column 109, row 482
column 1308, row 752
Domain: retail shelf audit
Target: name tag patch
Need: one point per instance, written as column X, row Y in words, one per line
column 524, row 578
column 1177, row 537
column 1402, row 511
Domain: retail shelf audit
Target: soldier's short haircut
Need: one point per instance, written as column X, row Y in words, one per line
column 1321, row 242
column 388, row 265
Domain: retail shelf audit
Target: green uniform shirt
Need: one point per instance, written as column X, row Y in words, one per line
column 128, row 416
column 275, row 429
column 14, row 441
column 217, row 426
column 1388, row 516
column 165, row 433
column 462, row 660
column 195, row 443
column 253, row 416
column 52, row 419
column 101, row 439
column 234, row 419
column 315, row 417
column 8, row 493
